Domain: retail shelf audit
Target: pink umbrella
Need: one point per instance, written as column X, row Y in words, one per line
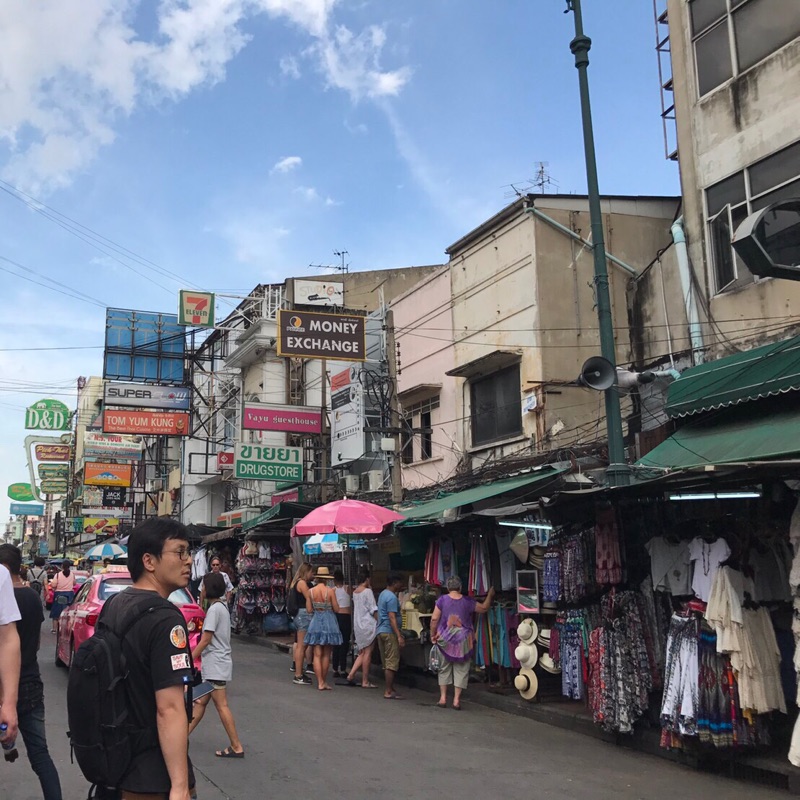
column 346, row 517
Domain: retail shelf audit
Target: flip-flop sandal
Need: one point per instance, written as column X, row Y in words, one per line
column 228, row 753
column 441, row 705
column 368, row 686
column 393, row 697
column 350, row 683
column 456, row 708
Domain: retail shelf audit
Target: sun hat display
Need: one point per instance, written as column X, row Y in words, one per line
column 323, row 574
column 527, row 655
column 519, row 545
column 544, row 638
column 527, row 684
column 527, row 631
column 548, row 665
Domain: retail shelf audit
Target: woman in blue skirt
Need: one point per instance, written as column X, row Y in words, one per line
column 323, row 632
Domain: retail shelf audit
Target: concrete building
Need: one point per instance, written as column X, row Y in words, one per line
column 735, row 73
column 491, row 345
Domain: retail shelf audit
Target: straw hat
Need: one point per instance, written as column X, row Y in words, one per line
column 548, row 665
column 323, row 574
column 527, row 655
column 527, row 631
column 527, row 684
column 544, row 638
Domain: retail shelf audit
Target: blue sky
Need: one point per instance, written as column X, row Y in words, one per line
column 232, row 142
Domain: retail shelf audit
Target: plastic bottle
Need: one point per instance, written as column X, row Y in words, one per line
column 9, row 747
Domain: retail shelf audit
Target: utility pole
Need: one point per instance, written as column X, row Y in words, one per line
column 324, row 450
column 394, row 420
column 618, row 470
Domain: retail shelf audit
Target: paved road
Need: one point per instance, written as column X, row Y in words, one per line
column 302, row 743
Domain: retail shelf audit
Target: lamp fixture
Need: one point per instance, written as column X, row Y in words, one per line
column 716, row 495
column 542, row 526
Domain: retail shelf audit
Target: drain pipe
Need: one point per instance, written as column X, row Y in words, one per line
column 627, row 379
column 684, row 269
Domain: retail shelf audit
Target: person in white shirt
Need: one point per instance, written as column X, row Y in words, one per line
column 216, row 567
column 10, row 657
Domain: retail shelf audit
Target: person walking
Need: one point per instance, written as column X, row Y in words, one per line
column 365, row 624
column 345, row 619
column 158, row 660
column 453, row 629
column 10, row 659
column 217, row 669
column 302, row 619
column 30, row 698
column 37, row 577
column 216, row 567
column 323, row 630
column 63, row 586
column 390, row 639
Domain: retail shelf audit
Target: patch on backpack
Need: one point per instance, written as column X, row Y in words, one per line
column 181, row 661
column 178, row 637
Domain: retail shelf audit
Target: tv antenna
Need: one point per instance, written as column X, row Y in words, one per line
column 539, row 183
column 343, row 267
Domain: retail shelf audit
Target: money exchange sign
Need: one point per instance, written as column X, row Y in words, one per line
column 263, row 463
column 316, row 334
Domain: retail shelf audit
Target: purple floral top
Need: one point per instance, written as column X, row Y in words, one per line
column 456, row 627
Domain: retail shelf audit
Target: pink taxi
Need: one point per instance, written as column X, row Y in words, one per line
column 77, row 621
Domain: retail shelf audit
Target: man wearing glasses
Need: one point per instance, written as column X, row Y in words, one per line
column 158, row 660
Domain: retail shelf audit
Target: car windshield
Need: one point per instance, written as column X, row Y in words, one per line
column 180, row 597
column 113, row 586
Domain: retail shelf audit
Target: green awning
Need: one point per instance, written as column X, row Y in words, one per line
column 762, row 372
column 434, row 509
column 288, row 508
column 743, row 439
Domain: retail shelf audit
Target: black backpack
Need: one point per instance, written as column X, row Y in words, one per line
column 291, row 603
column 103, row 737
column 36, row 583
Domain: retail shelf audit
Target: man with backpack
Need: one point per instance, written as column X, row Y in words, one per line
column 30, row 699
column 137, row 740
column 37, row 577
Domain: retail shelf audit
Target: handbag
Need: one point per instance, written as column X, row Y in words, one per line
column 49, row 597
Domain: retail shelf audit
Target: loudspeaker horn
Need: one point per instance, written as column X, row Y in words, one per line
column 597, row 373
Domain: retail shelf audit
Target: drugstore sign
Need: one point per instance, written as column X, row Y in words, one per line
column 262, row 463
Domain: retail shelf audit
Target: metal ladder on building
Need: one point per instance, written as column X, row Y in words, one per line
column 665, row 80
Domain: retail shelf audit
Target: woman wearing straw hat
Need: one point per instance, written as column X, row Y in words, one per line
column 323, row 632
column 454, row 631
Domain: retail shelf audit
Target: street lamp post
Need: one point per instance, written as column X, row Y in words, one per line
column 618, row 470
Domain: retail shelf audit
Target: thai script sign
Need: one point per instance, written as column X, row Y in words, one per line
column 52, row 452
column 27, row 509
column 291, row 419
column 139, row 395
column 20, row 491
column 196, row 309
column 264, row 463
column 319, row 334
column 101, row 473
column 347, row 416
column 47, row 415
column 148, row 423
column 112, row 445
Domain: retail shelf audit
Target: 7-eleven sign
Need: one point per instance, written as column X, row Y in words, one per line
column 196, row 309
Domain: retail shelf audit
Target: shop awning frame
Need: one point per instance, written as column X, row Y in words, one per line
column 433, row 511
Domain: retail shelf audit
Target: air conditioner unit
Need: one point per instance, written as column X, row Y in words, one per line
column 352, row 483
column 373, row 480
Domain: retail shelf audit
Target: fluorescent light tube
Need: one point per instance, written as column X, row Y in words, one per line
column 716, row 496
column 538, row 525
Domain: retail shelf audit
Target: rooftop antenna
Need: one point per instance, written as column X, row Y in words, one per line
column 343, row 267
column 538, row 183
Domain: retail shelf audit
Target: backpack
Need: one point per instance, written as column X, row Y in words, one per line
column 103, row 737
column 36, row 582
column 291, row 603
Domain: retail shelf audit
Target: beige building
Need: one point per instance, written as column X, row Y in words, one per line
column 735, row 87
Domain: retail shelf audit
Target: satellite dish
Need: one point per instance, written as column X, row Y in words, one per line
column 597, row 373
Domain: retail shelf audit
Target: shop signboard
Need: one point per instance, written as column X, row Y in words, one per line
column 146, row 423
column 120, row 512
column 27, row 509
column 73, row 524
column 53, row 471
column 225, row 460
column 347, row 416
column 101, row 526
column 289, row 419
column 266, row 463
column 318, row 293
column 47, row 415
column 101, row 473
column 140, row 395
column 320, row 334
column 52, row 452
column 196, row 309
column 290, row 496
column 92, row 496
column 112, row 445
column 20, row 491
column 53, row 486
column 114, row 496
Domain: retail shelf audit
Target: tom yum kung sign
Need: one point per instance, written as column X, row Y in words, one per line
column 316, row 334
column 263, row 463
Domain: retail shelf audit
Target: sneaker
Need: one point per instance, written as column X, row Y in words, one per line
column 309, row 669
column 291, row 669
column 303, row 681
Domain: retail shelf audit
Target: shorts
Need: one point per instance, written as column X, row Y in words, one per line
column 455, row 672
column 389, row 650
column 218, row 684
column 302, row 620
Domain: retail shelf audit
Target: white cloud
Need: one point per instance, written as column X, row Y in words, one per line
column 61, row 102
column 308, row 193
column 359, row 128
column 287, row 164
